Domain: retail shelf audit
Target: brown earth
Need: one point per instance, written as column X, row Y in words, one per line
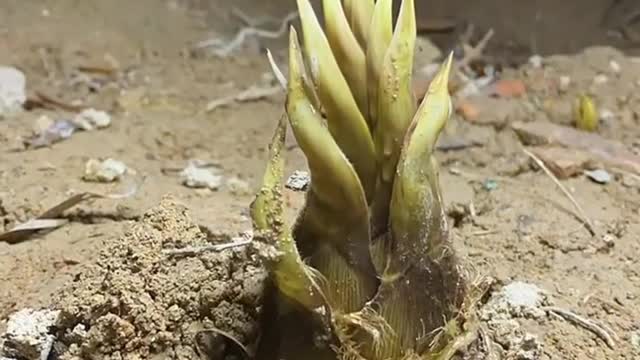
column 522, row 227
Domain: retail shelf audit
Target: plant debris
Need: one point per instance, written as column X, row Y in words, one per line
column 601, row 332
column 50, row 132
column 253, row 93
column 221, row 49
column 51, row 218
column 582, row 215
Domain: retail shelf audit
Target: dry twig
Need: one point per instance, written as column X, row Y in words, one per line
column 253, row 93
column 472, row 53
column 582, row 215
column 224, row 50
column 194, row 251
column 52, row 218
column 590, row 325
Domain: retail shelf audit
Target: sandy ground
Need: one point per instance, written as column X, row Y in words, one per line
column 522, row 228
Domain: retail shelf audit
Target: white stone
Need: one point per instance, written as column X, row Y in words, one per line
column 104, row 171
column 90, row 119
column 536, row 61
column 298, row 181
column 12, row 90
column 565, row 82
column 517, row 299
column 198, row 177
column 615, row 67
column 28, row 334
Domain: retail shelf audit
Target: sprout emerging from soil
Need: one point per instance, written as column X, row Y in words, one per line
column 367, row 270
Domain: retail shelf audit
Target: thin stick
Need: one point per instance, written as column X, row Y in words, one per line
column 583, row 322
column 254, row 93
column 487, row 343
column 583, row 215
column 193, row 251
column 476, row 51
column 224, row 50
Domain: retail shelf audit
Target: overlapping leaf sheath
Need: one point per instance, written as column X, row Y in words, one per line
column 294, row 279
column 345, row 121
column 421, row 287
column 369, row 251
column 333, row 230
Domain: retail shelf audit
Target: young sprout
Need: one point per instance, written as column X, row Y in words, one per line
column 585, row 114
column 367, row 270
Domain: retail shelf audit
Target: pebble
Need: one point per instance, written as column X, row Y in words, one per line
column 606, row 114
column 90, row 119
column 200, row 178
column 298, row 181
column 536, row 61
column 635, row 339
column 12, row 90
column 105, row 171
column 28, row 334
column 615, row 67
column 565, row 82
column 599, row 176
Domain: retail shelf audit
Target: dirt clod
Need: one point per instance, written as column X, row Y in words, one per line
column 135, row 302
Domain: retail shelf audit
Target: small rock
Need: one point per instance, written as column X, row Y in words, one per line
column 518, row 299
column 508, row 88
column 536, row 61
column 12, row 90
column 104, row 171
column 78, row 334
column 606, row 114
column 28, row 334
column 562, row 163
column 492, row 111
column 473, row 87
column 238, row 186
column 635, row 339
column 90, row 119
column 298, row 181
column 200, row 177
column 490, row 184
column 468, row 111
column 609, row 240
column 565, row 82
column 529, row 348
column 600, row 176
column 615, row 67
